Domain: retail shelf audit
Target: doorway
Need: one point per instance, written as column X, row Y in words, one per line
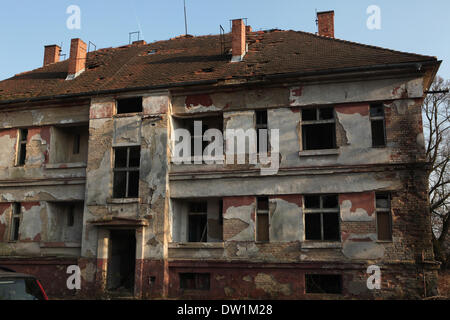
column 122, row 261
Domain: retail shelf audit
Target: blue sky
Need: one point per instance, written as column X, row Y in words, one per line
column 26, row 25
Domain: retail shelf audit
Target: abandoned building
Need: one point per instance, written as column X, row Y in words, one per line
column 87, row 177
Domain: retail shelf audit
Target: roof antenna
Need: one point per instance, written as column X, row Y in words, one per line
column 185, row 19
column 60, row 52
column 130, row 35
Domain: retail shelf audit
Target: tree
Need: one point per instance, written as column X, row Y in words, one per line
column 436, row 110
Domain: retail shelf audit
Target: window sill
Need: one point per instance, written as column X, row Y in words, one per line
column 315, row 153
column 321, row 245
column 125, row 115
column 196, row 245
column 65, row 165
column 123, row 200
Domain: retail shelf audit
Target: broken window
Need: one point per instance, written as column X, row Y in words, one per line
column 198, row 222
column 384, row 220
column 318, row 129
column 261, row 124
column 378, row 125
column 22, row 147
column 323, row 283
column 129, row 105
column 15, row 221
column 322, row 218
column 262, row 219
column 126, row 172
column 195, row 281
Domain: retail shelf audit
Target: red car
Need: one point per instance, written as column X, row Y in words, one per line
column 19, row 286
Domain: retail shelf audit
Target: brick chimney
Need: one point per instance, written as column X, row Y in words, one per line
column 51, row 54
column 325, row 21
column 77, row 60
column 238, row 40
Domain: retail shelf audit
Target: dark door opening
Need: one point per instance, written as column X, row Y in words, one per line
column 122, row 261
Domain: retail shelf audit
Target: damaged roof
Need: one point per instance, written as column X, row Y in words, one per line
column 188, row 59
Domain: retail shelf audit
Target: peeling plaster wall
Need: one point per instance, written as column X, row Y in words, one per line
column 372, row 90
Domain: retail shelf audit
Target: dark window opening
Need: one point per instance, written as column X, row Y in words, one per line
column 129, row 105
column 384, row 219
column 70, row 216
column 21, row 158
column 206, row 123
column 126, row 172
column 261, row 125
column 262, row 219
column 76, row 143
column 195, row 281
column 322, row 218
column 318, row 129
column 378, row 125
column 319, row 136
column 15, row 223
column 221, row 212
column 198, row 222
column 323, row 283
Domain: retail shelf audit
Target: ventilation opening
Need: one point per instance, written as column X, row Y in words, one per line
column 129, row 105
column 323, row 283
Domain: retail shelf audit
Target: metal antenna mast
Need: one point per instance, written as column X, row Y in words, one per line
column 185, row 18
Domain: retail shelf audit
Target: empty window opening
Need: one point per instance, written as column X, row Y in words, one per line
column 198, row 222
column 384, row 219
column 122, row 261
column 318, row 129
column 126, row 172
column 195, row 281
column 322, row 218
column 65, row 222
column 262, row 219
column 261, row 124
column 210, row 122
column 323, row 283
column 69, row 144
column 15, row 221
column 377, row 122
column 129, row 105
column 22, row 147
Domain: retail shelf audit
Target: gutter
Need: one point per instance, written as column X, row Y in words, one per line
column 416, row 65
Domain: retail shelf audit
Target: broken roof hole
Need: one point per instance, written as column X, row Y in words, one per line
column 152, row 51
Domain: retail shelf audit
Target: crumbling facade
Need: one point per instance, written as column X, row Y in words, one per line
column 87, row 173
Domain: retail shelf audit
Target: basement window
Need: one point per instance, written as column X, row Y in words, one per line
column 126, row 172
column 15, row 221
column 262, row 219
column 129, row 105
column 198, row 222
column 377, row 123
column 195, row 281
column 384, row 219
column 322, row 218
column 318, row 129
column 22, row 147
column 323, row 283
column 261, row 124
